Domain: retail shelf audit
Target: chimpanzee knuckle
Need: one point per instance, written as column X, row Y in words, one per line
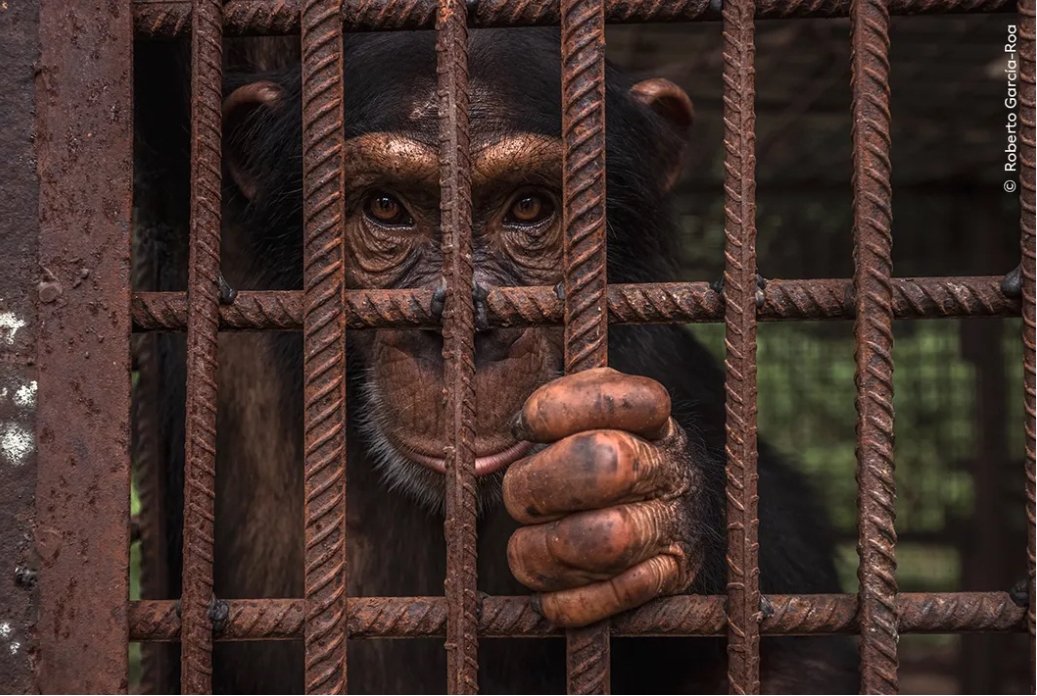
column 621, row 594
column 597, row 450
column 591, row 540
column 602, row 458
column 648, row 580
column 565, row 610
column 618, row 466
column 525, row 559
column 687, row 555
column 612, row 539
column 652, row 474
column 665, row 574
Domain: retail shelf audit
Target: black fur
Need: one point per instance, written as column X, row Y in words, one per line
column 516, row 87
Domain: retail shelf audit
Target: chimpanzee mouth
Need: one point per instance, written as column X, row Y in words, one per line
column 484, row 464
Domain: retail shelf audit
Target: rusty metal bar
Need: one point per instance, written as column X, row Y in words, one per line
column 82, row 390
column 873, row 335
column 168, row 19
column 1027, row 208
column 462, row 641
column 512, row 617
column 743, row 565
column 645, row 303
column 583, row 183
column 324, row 348
column 19, row 274
column 202, row 327
column 587, row 649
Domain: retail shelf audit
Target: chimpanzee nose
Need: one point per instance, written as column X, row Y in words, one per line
column 491, row 345
column 480, row 293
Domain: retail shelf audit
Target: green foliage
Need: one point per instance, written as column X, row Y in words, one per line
column 806, row 410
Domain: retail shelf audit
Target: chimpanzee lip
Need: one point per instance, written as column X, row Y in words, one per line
column 484, row 464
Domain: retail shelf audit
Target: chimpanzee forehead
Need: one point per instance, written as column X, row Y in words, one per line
column 514, row 83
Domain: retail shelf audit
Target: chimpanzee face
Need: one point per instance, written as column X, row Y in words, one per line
column 394, row 238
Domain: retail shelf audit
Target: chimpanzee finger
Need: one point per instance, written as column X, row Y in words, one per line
column 591, row 546
column 601, row 398
column 588, row 471
column 658, row 576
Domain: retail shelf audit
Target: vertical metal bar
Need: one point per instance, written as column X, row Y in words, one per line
column 1027, row 207
column 19, row 273
column 324, row 346
column 462, row 641
column 85, row 165
column 743, row 569
column 873, row 334
column 583, row 217
column 202, row 322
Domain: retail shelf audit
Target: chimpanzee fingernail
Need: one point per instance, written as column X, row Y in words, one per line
column 518, row 427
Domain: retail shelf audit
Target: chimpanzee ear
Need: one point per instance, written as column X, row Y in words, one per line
column 240, row 108
column 673, row 104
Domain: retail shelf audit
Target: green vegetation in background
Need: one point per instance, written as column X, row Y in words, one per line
column 805, row 376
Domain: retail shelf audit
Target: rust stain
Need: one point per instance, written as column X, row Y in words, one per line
column 583, row 219
column 682, row 615
column 324, row 366
column 913, row 298
column 455, row 183
column 202, row 325
column 873, row 334
column 170, row 19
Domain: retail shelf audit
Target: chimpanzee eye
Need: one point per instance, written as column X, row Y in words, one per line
column 530, row 208
column 386, row 209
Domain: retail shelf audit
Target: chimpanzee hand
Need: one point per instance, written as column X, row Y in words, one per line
column 609, row 506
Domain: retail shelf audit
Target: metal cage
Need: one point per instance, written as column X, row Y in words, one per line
column 68, row 318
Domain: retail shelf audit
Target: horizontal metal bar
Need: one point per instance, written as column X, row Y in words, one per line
column 167, row 19
column 646, row 303
column 685, row 615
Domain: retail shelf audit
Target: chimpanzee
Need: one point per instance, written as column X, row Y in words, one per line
column 620, row 499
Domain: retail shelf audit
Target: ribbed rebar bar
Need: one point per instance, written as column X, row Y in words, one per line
column 683, row 615
column 913, row 298
column 166, row 19
column 743, row 567
column 324, row 358
column 202, row 327
column 583, row 219
column 462, row 641
column 873, row 334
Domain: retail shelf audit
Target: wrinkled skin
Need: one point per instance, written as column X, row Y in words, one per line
column 610, row 507
column 598, row 491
